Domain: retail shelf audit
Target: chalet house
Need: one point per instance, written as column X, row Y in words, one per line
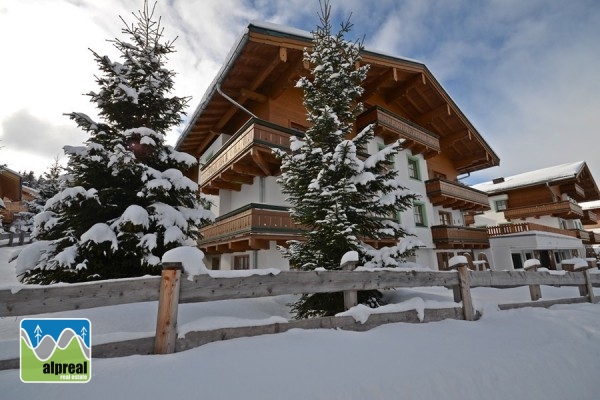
column 253, row 106
column 537, row 214
column 592, row 224
column 10, row 195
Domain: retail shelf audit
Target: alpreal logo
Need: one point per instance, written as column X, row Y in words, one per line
column 56, row 350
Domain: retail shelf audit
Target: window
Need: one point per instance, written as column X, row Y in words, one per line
column 215, row 263
column 445, row 218
column 419, row 214
column 241, row 262
column 413, row 168
column 500, row 205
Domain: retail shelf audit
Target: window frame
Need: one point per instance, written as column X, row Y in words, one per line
column 422, row 214
column 498, row 209
column 417, row 168
column 241, row 262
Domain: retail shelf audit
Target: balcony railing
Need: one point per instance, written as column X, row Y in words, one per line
column 563, row 209
column 594, row 237
column 589, row 218
column 248, row 228
column 583, row 235
column 392, row 127
column 462, row 237
column 507, row 229
column 248, row 153
column 445, row 193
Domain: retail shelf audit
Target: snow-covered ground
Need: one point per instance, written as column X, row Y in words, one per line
column 518, row 354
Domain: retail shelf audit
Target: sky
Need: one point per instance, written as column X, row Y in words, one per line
column 523, row 72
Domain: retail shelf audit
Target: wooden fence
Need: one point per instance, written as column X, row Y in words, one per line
column 15, row 239
column 171, row 290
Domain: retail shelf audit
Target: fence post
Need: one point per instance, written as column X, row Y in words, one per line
column 534, row 290
column 589, row 287
column 463, row 291
column 11, row 237
column 584, row 289
column 168, row 302
column 350, row 296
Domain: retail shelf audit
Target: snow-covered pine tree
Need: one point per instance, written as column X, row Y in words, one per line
column 47, row 186
column 341, row 197
column 125, row 200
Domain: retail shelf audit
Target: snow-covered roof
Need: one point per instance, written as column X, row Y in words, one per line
column 550, row 174
column 590, row 205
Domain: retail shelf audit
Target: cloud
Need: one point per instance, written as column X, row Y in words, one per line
column 23, row 131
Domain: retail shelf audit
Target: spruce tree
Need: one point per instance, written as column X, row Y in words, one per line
column 338, row 195
column 125, row 200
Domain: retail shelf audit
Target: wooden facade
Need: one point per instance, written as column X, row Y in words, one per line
column 11, row 195
column 254, row 107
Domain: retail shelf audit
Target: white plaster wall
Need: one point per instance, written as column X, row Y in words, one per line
column 273, row 194
column 491, row 217
column 272, row 258
column 248, row 194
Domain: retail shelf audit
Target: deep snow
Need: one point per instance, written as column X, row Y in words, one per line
column 517, row 354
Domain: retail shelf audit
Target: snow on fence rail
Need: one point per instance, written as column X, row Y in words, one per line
column 171, row 290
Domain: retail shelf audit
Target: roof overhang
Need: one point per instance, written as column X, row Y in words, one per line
column 268, row 59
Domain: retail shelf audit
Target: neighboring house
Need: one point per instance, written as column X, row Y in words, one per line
column 253, row 106
column 10, row 194
column 592, row 209
column 537, row 214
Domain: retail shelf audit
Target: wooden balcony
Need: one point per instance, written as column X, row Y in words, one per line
column 594, row 237
column 392, row 127
column 253, row 226
column 563, row 209
column 589, row 218
column 583, row 235
column 507, row 229
column 248, row 228
column 459, row 237
column 455, row 195
column 248, row 153
column 10, row 211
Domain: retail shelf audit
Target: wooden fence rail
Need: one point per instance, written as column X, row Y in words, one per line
column 45, row 299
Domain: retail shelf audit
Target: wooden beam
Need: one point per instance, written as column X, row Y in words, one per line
column 439, row 112
column 242, row 245
column 371, row 87
column 287, row 78
column 402, row 90
column 253, row 86
column 283, row 54
column 236, row 178
column 210, row 190
column 259, row 244
column 251, row 95
column 261, row 162
column 226, row 185
column 450, row 140
column 468, row 161
column 246, row 170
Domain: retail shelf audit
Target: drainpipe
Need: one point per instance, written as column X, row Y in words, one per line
column 458, row 178
column 232, row 101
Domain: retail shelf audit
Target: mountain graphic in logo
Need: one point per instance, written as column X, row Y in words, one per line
column 55, row 350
